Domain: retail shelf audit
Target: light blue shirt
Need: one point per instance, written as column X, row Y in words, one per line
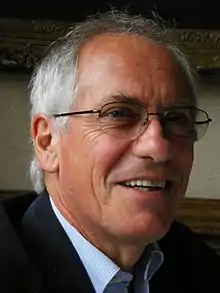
column 104, row 274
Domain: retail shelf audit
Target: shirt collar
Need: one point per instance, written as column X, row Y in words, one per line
column 100, row 268
column 152, row 260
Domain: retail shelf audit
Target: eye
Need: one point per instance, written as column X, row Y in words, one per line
column 120, row 112
column 177, row 117
column 180, row 123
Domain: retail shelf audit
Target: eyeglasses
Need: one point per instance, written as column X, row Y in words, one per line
column 129, row 120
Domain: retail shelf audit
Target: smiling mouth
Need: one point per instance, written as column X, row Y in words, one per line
column 147, row 185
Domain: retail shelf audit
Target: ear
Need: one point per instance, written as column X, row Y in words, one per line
column 45, row 138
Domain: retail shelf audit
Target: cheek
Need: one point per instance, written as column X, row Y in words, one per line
column 97, row 154
column 106, row 153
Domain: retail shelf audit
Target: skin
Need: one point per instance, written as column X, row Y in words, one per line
column 84, row 167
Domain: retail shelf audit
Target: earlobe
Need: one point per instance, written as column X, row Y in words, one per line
column 45, row 139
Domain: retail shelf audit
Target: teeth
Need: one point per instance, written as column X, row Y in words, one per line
column 146, row 183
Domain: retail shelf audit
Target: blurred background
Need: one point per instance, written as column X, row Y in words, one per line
column 15, row 147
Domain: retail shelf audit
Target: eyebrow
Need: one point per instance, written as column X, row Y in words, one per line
column 121, row 98
column 182, row 103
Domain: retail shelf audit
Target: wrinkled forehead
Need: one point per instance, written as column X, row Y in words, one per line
column 134, row 66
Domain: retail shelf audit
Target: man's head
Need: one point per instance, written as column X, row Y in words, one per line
column 120, row 171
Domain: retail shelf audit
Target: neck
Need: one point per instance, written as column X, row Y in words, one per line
column 124, row 256
column 125, row 253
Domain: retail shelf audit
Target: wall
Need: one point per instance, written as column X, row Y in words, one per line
column 205, row 177
column 15, row 148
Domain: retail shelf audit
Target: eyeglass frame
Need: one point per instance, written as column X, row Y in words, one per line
column 146, row 120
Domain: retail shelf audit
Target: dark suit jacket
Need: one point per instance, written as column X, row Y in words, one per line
column 16, row 272
column 190, row 266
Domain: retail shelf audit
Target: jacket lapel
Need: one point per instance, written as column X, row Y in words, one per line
column 52, row 252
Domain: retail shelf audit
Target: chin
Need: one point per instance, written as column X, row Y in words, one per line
column 147, row 232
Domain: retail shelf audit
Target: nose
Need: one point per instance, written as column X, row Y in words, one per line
column 152, row 143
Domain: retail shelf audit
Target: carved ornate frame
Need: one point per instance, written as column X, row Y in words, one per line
column 22, row 43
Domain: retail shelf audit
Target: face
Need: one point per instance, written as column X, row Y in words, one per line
column 96, row 171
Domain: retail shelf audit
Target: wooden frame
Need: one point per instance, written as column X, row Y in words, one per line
column 23, row 42
column 201, row 215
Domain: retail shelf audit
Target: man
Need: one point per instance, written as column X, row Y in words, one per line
column 16, row 271
column 114, row 122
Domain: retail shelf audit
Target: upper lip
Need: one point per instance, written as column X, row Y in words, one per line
column 168, row 181
column 150, row 177
column 151, row 172
column 147, row 183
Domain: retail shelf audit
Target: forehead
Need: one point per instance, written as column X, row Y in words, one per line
column 134, row 66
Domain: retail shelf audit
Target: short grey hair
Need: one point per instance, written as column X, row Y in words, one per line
column 54, row 81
